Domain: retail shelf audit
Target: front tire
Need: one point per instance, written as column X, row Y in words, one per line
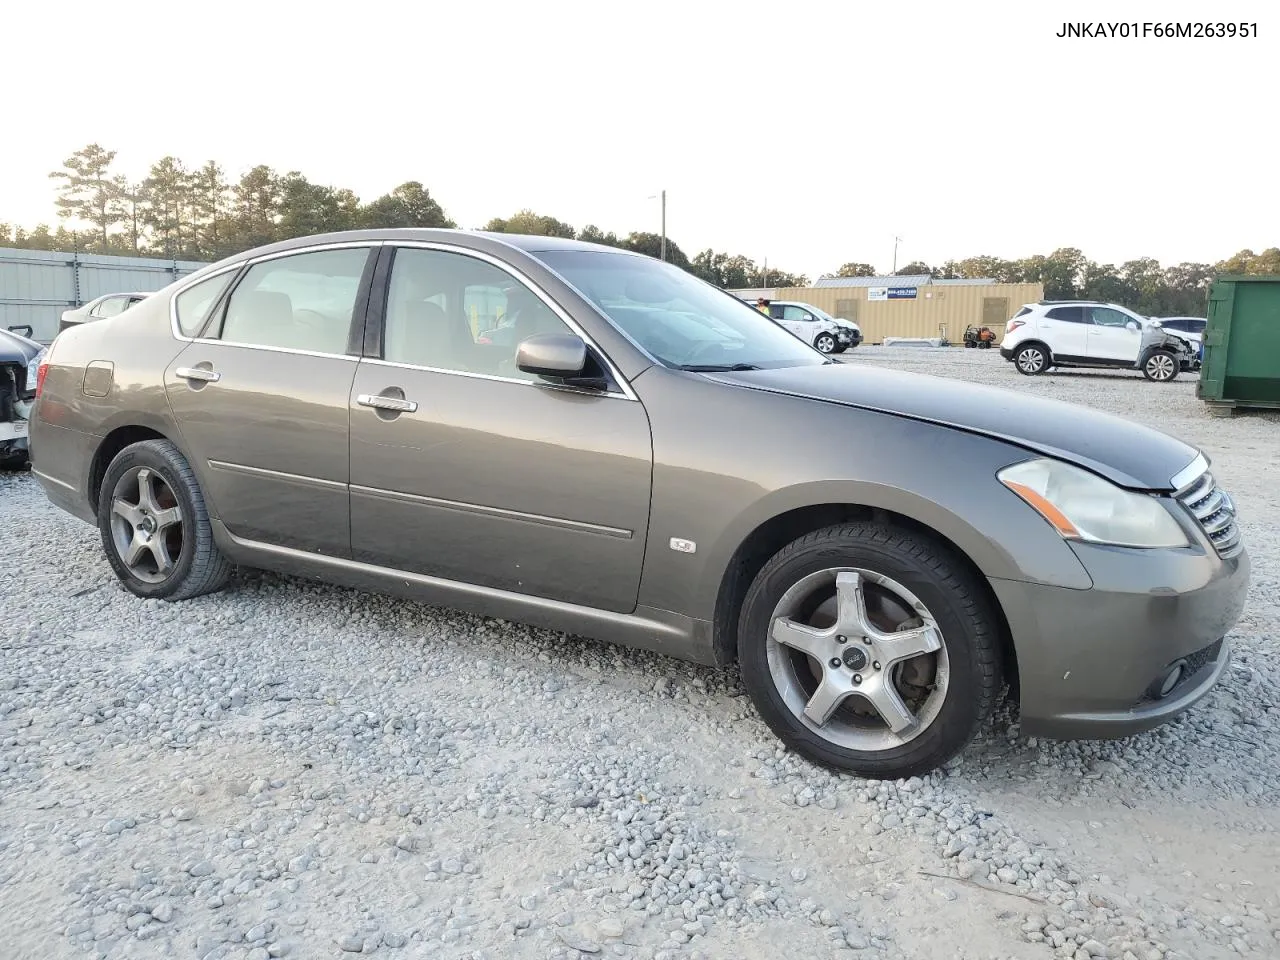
column 1031, row 359
column 1161, row 366
column 870, row 649
column 155, row 526
column 824, row 343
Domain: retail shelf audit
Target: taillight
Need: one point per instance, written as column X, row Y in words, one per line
column 1013, row 325
column 41, row 372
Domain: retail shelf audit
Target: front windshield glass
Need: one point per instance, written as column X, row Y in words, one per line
column 677, row 318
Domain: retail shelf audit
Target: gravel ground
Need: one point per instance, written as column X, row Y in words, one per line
column 292, row 769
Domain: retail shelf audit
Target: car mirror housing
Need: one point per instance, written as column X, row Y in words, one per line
column 558, row 355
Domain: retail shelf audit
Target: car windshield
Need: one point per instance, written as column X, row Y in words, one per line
column 680, row 320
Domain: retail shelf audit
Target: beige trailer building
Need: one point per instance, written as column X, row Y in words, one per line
column 912, row 306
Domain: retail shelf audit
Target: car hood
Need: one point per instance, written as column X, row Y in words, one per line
column 1124, row 452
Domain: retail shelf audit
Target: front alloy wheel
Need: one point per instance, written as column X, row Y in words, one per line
column 874, row 674
column 825, row 343
column 871, row 649
column 1161, row 367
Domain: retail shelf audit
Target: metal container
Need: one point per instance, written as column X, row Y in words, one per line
column 1241, row 366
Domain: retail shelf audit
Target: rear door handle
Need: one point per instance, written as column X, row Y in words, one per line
column 386, row 403
column 198, row 373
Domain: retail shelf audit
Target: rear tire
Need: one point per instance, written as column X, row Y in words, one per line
column 155, row 526
column 1031, row 359
column 948, row 690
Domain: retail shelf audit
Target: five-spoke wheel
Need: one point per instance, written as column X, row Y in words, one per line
column 155, row 526
column 146, row 524
column 858, row 658
column 870, row 648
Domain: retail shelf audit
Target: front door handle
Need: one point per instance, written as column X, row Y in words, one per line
column 198, row 373
column 386, row 403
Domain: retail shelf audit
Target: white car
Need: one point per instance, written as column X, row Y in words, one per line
column 1085, row 333
column 826, row 333
column 100, row 307
column 1189, row 328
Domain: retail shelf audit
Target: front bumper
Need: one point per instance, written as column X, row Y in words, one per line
column 1091, row 662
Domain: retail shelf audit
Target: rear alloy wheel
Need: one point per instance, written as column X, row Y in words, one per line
column 1031, row 359
column 1161, row 366
column 824, row 343
column 870, row 649
column 155, row 527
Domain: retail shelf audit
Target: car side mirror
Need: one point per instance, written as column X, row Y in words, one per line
column 561, row 357
column 1133, row 325
column 808, row 316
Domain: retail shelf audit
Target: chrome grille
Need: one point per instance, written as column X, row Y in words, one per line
column 1216, row 513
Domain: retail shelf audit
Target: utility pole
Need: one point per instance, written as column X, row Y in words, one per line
column 764, row 281
column 896, row 241
column 664, row 225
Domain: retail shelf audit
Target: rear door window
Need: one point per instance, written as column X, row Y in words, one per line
column 300, row 302
column 1067, row 314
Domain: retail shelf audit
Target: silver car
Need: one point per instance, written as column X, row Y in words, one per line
column 99, row 308
column 648, row 461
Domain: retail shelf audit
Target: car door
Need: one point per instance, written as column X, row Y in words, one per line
column 261, row 396
column 1065, row 330
column 465, row 468
column 1114, row 336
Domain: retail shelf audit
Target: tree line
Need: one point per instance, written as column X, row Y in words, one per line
column 196, row 213
column 1142, row 285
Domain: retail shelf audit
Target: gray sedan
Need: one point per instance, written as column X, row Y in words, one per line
column 648, row 461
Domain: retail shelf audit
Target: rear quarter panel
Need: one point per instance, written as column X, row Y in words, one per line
column 129, row 354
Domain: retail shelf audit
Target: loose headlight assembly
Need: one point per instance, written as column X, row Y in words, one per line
column 1082, row 506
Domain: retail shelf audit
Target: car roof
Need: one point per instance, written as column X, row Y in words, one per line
column 120, row 293
column 527, row 243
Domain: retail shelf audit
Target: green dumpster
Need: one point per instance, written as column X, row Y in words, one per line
column 1241, row 365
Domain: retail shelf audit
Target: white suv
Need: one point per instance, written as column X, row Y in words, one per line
column 825, row 332
column 1081, row 333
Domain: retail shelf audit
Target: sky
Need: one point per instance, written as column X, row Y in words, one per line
column 808, row 134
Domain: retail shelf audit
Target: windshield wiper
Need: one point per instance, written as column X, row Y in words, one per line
column 716, row 367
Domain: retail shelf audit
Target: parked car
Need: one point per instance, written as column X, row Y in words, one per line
column 20, row 359
column 825, row 332
column 99, row 308
column 1191, row 328
column 651, row 464
column 1072, row 333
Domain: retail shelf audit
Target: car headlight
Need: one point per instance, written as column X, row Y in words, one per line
column 33, row 368
column 1082, row 506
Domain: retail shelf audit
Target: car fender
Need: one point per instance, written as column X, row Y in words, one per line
column 1048, row 561
column 713, row 488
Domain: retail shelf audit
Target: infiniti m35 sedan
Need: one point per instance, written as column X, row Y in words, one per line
column 647, row 460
